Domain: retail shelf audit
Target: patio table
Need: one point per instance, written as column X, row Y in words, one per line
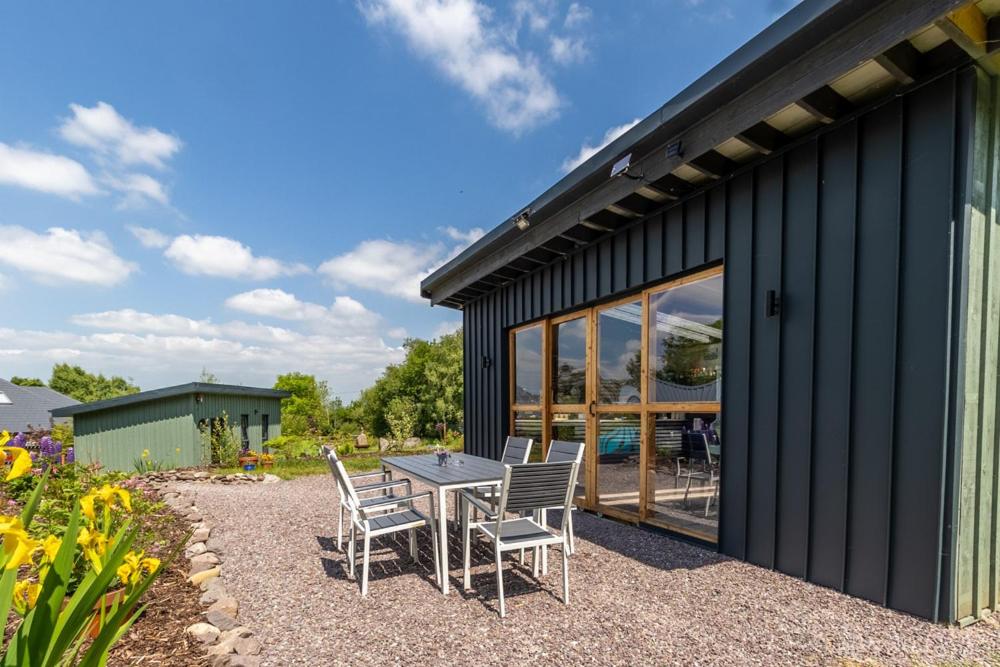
column 463, row 471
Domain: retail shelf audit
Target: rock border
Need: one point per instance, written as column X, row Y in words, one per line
column 228, row 642
column 166, row 477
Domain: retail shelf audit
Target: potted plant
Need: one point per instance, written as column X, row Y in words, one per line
column 248, row 460
column 267, row 460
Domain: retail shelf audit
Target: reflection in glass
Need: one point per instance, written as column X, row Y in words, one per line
column 683, row 480
column 569, row 362
column 572, row 427
column 528, row 366
column 685, row 343
column 619, row 335
column 529, row 425
column 619, row 439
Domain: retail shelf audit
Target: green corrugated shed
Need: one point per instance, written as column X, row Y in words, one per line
column 166, row 422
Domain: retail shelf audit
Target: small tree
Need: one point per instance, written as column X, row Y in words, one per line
column 401, row 414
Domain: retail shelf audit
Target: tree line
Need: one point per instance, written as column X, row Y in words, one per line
column 421, row 396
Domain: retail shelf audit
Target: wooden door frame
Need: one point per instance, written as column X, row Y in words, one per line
column 592, row 409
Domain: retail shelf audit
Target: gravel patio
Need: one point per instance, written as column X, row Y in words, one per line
column 636, row 598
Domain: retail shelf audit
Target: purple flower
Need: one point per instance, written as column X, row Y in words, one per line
column 70, row 456
column 48, row 447
column 20, row 440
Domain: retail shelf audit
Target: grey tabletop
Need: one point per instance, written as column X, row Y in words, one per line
column 462, row 469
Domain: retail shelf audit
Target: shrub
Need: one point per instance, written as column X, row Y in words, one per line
column 220, row 439
column 294, row 446
column 401, row 413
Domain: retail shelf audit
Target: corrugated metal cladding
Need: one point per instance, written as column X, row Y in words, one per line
column 115, row 438
column 167, row 427
column 838, row 412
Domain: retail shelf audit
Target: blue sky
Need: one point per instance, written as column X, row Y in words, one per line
column 257, row 187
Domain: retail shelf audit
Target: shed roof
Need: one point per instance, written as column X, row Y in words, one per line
column 815, row 64
column 167, row 392
column 22, row 408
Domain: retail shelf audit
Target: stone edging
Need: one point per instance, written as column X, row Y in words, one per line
column 228, row 642
column 161, row 477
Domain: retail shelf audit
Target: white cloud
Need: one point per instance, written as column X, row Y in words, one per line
column 587, row 151
column 102, row 129
column 389, row 267
column 276, row 303
column 577, row 15
column 64, row 255
column 467, row 237
column 567, row 50
column 447, row 327
column 536, row 13
column 130, row 320
column 45, row 172
column 461, row 38
column 149, row 237
column 138, row 188
column 224, row 257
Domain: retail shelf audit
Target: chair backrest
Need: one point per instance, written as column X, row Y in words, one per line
column 561, row 451
column 516, row 450
column 535, row 486
column 347, row 492
column 330, row 454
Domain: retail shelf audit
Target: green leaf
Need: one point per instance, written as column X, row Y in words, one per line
column 7, row 582
column 28, row 513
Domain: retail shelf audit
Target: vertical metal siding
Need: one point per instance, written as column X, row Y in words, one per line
column 835, row 412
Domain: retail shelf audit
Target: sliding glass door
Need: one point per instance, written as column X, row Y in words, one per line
column 638, row 380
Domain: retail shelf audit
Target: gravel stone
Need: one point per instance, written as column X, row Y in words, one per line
column 637, row 598
column 226, row 604
column 206, row 633
column 221, row 619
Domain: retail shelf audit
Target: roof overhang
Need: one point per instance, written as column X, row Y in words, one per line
column 788, row 65
column 168, row 392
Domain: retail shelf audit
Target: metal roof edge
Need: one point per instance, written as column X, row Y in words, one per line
column 168, row 392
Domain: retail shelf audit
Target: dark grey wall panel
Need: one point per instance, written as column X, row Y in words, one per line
column 737, row 396
column 798, row 280
column 832, row 364
column 924, row 314
column 765, row 340
column 874, row 351
column 835, row 412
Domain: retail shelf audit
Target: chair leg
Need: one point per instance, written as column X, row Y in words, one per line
column 534, row 562
column 351, row 549
column 569, row 527
column 466, row 546
column 545, row 549
column 686, row 490
column 413, row 545
column 434, row 541
column 340, row 528
column 565, row 553
column 503, row 608
column 364, row 565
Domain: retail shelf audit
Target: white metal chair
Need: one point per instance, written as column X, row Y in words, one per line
column 527, row 488
column 561, row 451
column 385, row 485
column 516, row 450
column 701, row 451
column 372, row 517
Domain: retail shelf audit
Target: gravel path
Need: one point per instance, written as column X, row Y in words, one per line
column 637, row 598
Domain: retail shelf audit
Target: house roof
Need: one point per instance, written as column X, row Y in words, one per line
column 167, row 392
column 816, row 64
column 22, row 408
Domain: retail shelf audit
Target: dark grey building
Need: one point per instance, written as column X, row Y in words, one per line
column 24, row 408
column 816, row 217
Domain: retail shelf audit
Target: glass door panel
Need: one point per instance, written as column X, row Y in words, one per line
column 528, row 366
column 572, row 427
column 528, row 424
column 619, row 445
column 685, row 343
column 619, row 354
column 682, row 483
column 569, row 362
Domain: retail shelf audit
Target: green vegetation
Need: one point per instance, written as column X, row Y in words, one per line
column 85, row 387
column 306, row 411
column 26, row 382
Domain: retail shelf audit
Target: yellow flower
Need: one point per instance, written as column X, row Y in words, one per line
column 17, row 546
column 132, row 568
column 22, row 460
column 95, row 544
column 87, row 506
column 25, row 596
column 145, row 453
column 50, row 547
column 110, row 495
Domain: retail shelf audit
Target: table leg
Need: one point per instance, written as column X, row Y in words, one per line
column 443, row 537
